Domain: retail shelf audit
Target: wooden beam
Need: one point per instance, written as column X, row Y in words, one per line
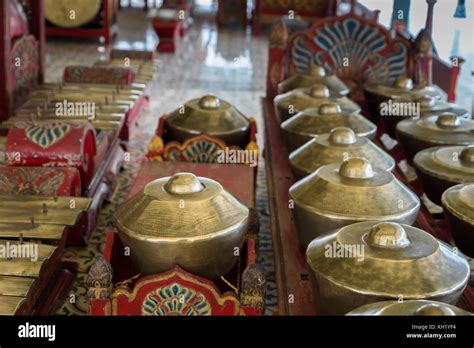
column 5, row 63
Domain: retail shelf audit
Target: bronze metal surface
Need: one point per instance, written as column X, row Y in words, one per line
column 403, row 87
column 209, row 115
column 31, row 231
column 310, row 123
column 340, row 194
column 439, row 168
column 446, row 129
column 415, row 307
column 337, row 146
column 315, row 74
column 184, row 220
column 383, row 261
column 300, row 99
column 25, row 267
column 458, row 204
column 9, row 305
column 71, row 13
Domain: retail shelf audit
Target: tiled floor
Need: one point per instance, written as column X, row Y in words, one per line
column 227, row 62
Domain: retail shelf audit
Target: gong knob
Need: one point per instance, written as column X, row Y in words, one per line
column 467, row 156
column 448, row 120
column 319, row 91
column 356, row 168
column 210, row 102
column 403, row 82
column 329, row 109
column 426, row 102
column 316, row 70
column 388, row 235
column 183, row 183
column 342, row 136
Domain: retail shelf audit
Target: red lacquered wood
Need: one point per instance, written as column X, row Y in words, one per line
column 276, row 58
column 251, row 248
column 161, row 127
column 37, row 28
column 115, row 254
column 108, row 30
column 6, row 87
column 291, row 269
column 238, row 179
column 55, row 293
column 6, row 72
column 98, row 191
column 263, row 13
column 133, row 116
column 169, row 33
column 61, row 181
column 127, row 301
column 75, row 147
column 131, row 288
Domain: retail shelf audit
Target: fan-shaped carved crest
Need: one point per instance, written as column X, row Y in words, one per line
column 352, row 47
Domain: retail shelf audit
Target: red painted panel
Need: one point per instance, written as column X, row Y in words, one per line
column 238, row 179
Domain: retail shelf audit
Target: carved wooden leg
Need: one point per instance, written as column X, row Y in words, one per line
column 254, row 286
column 99, row 279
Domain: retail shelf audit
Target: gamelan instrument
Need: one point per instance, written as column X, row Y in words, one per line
column 402, row 88
column 458, row 204
column 59, row 12
column 413, row 307
column 300, row 99
column 208, row 115
column 340, row 194
column 401, row 109
column 383, row 261
column 33, row 230
column 312, row 122
column 447, row 129
column 439, row 168
column 340, row 144
column 52, row 144
column 184, row 220
column 314, row 75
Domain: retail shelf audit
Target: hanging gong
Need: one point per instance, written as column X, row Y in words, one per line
column 71, row 13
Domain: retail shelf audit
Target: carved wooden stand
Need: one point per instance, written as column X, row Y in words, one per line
column 288, row 56
column 149, row 295
column 108, row 26
column 152, row 294
column 7, row 73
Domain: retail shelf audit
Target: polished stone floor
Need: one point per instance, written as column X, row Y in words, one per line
column 226, row 62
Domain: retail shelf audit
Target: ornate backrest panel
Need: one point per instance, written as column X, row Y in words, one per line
column 25, row 58
column 202, row 148
column 174, row 293
column 356, row 49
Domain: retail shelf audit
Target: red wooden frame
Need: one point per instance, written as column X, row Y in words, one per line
column 281, row 46
column 125, row 301
column 169, row 34
column 222, row 17
column 161, row 145
column 107, row 31
column 128, row 300
column 291, row 268
column 262, row 15
column 6, row 74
